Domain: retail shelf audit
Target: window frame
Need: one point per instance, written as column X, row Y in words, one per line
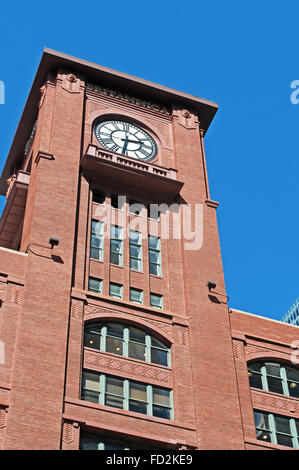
column 102, row 379
column 283, row 376
column 158, row 251
column 160, row 296
column 100, row 236
column 148, row 344
column 272, row 429
column 139, row 245
column 120, row 240
column 100, row 285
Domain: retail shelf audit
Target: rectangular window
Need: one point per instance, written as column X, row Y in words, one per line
column 136, row 295
column 97, row 240
column 126, row 394
column 156, row 301
column 154, row 249
column 98, row 196
column 117, row 201
column 116, row 245
column 135, row 250
column 277, row 429
column 95, row 285
column 116, row 290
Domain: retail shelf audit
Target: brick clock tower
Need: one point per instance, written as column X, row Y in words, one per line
column 110, row 336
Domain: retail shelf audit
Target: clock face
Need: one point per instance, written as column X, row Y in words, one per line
column 127, row 139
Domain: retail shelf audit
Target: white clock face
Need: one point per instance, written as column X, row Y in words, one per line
column 127, row 139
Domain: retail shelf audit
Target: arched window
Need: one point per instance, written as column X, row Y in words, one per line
column 274, row 377
column 126, row 341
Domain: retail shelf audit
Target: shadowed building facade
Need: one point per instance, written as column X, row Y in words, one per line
column 110, row 336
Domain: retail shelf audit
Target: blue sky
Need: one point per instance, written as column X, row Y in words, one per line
column 243, row 56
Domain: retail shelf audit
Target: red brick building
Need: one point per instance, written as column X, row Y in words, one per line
column 110, row 336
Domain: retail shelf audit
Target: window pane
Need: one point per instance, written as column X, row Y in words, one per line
column 95, row 285
column 154, row 256
column 115, row 329
column 138, row 391
column 114, row 386
column 292, row 374
column 135, row 237
column 255, row 380
column 293, row 389
column 92, row 340
column 136, row 295
column 159, row 357
column 138, row 407
column 275, row 385
column 114, row 345
column 157, row 343
column 284, row 440
column 161, row 412
column 135, row 251
column 161, row 396
column 96, row 242
column 117, row 201
column 116, row 246
column 137, row 335
column 282, row 424
column 91, row 381
column 255, row 367
column 116, row 402
column 115, row 259
column 273, row 369
column 115, row 290
column 95, row 253
column 261, row 420
column 89, row 395
column 137, row 351
column 116, row 232
column 156, row 300
column 98, row 196
column 154, row 269
column 135, row 264
column 153, row 242
column 263, row 435
column 97, row 227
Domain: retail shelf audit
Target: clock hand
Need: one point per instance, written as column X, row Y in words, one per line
column 125, row 145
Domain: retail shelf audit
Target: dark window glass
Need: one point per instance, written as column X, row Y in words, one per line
column 275, row 385
column 92, row 337
column 98, row 196
column 284, row 440
column 161, row 412
column 89, row 395
column 138, row 407
column 159, row 357
column 117, row 201
column 115, row 329
column 114, row 345
column 137, row 351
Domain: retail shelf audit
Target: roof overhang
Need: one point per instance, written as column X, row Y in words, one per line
column 53, row 60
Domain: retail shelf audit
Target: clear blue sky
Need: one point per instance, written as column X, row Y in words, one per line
column 244, row 56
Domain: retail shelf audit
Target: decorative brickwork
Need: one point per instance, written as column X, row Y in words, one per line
column 16, row 294
column 182, row 335
column 278, row 404
column 127, row 367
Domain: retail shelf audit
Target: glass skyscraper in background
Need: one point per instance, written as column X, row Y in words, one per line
column 292, row 315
